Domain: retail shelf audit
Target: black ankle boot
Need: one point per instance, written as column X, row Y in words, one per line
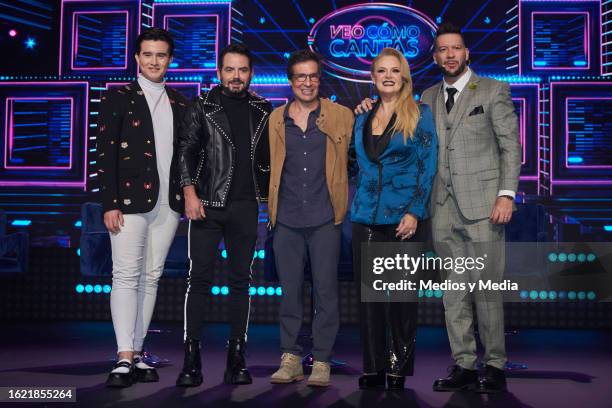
column 395, row 382
column 191, row 376
column 236, row 372
column 372, row 380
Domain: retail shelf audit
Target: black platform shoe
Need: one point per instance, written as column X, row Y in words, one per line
column 458, row 379
column 372, row 380
column 121, row 380
column 191, row 376
column 148, row 374
column 395, row 382
column 493, row 381
column 236, row 372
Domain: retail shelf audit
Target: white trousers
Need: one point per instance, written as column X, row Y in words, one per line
column 139, row 253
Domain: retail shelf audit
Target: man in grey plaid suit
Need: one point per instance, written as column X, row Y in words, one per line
column 472, row 199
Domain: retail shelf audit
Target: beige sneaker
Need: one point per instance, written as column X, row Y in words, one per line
column 290, row 370
column 320, row 375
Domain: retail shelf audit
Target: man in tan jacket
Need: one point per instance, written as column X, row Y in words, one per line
column 308, row 198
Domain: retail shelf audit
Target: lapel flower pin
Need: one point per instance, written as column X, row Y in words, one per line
column 472, row 86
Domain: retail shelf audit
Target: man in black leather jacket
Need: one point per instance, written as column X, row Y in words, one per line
column 224, row 164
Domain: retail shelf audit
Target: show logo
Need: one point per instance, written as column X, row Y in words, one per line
column 351, row 37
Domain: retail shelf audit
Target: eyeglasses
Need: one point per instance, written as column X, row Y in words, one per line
column 302, row 77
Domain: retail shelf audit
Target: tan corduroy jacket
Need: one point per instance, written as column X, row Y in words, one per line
column 336, row 121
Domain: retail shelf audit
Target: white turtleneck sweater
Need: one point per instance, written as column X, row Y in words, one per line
column 163, row 129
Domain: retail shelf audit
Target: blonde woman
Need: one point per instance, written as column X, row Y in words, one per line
column 395, row 147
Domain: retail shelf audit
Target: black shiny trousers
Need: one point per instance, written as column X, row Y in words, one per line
column 388, row 329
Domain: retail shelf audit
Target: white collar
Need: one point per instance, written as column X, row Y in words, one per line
column 461, row 82
column 150, row 85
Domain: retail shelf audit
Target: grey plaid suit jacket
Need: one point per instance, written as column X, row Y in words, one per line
column 481, row 145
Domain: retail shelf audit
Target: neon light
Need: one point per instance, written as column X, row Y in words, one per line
column 21, row 223
column 30, row 43
column 575, row 160
column 351, row 45
column 75, row 39
column 174, row 4
column 378, row 37
column 9, row 133
column 281, row 100
column 217, row 27
column 523, row 126
column 197, row 85
column 587, row 42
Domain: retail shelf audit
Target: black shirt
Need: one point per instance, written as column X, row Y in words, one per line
column 238, row 114
column 375, row 145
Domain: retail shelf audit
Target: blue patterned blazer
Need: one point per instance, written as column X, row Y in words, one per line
column 400, row 180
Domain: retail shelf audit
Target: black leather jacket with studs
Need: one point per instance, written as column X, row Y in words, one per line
column 207, row 153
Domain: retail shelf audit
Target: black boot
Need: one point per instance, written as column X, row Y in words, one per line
column 395, row 382
column 236, row 372
column 191, row 376
column 459, row 379
column 372, row 380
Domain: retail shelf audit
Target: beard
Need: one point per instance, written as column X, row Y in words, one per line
column 245, row 86
column 460, row 70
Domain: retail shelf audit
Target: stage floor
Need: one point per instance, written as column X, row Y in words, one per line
column 567, row 368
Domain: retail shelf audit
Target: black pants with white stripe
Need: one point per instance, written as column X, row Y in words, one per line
column 237, row 225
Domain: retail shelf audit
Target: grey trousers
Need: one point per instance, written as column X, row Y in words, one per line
column 322, row 245
column 455, row 236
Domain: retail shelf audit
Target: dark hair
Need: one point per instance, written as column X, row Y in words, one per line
column 449, row 28
column 235, row 49
column 302, row 56
column 155, row 34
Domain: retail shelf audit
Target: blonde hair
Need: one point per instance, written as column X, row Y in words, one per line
column 407, row 109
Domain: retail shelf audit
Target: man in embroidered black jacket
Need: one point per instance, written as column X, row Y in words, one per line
column 224, row 163
column 138, row 132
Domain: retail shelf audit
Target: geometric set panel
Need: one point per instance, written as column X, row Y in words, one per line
column 97, row 37
column 200, row 30
column 564, row 39
column 526, row 101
